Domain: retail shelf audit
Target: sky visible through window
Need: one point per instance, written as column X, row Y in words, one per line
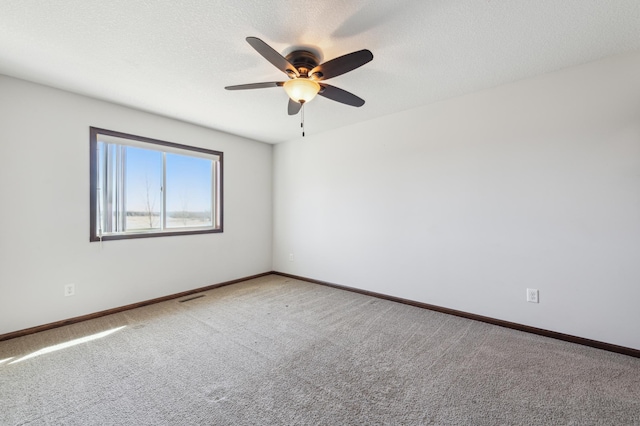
column 144, row 180
column 188, row 181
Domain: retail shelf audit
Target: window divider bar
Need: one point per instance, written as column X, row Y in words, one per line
column 163, row 213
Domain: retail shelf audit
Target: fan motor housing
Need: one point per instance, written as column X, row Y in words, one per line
column 303, row 60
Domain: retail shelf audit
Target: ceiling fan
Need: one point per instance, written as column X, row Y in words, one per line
column 306, row 74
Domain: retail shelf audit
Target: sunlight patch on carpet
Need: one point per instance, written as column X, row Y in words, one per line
column 68, row 344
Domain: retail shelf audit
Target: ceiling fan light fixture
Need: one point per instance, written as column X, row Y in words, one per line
column 301, row 90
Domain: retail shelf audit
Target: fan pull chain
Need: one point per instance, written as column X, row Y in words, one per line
column 302, row 119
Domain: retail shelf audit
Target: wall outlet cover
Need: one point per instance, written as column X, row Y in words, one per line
column 69, row 289
column 532, row 295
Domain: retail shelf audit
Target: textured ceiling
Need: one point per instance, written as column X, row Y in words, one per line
column 174, row 58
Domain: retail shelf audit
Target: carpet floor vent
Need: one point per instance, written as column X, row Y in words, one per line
column 191, row 298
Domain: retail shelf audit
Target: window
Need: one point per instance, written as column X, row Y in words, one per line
column 142, row 187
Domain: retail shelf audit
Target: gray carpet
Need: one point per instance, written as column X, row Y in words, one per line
column 279, row 351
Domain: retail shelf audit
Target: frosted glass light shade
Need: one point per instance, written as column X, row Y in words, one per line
column 301, row 89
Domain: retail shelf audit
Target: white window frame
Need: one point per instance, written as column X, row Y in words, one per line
column 97, row 233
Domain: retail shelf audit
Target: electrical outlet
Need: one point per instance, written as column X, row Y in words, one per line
column 291, row 258
column 69, row 289
column 532, row 295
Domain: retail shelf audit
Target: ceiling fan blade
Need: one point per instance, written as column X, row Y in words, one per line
column 294, row 107
column 339, row 95
column 341, row 65
column 255, row 85
column 273, row 56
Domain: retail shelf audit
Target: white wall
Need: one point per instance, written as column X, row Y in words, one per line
column 466, row 203
column 44, row 212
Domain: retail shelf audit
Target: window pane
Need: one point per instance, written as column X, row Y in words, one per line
column 189, row 191
column 143, row 189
